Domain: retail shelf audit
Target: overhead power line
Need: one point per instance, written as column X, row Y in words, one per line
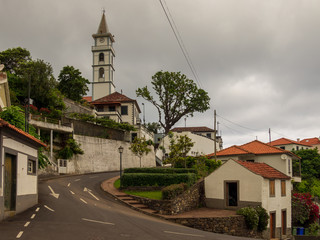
column 179, row 40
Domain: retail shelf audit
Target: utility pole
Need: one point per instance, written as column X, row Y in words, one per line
column 269, row 135
column 215, row 134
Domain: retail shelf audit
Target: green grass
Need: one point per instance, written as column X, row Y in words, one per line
column 116, row 184
column 157, row 195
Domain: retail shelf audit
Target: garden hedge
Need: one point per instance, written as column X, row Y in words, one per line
column 159, row 170
column 171, row 191
column 156, row 179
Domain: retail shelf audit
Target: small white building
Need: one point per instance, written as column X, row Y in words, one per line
column 288, row 144
column 202, row 137
column 256, row 151
column 313, row 142
column 237, row 184
column 18, row 170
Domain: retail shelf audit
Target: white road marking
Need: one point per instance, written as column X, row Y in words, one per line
column 33, row 215
column 77, row 180
column 50, row 209
column 89, row 191
column 68, row 184
column 19, row 234
column 184, row 234
column 71, row 192
column 27, row 224
column 83, row 201
column 56, row 195
column 37, row 210
column 95, row 221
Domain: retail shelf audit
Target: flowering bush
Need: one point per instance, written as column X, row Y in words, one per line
column 304, row 211
column 44, row 110
column 33, row 109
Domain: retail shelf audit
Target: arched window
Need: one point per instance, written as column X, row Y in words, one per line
column 101, row 73
column 101, row 57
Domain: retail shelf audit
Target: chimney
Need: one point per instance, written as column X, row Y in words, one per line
column 298, row 139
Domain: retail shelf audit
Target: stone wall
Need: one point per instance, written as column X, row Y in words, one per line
column 94, row 130
column 190, row 199
column 74, row 107
column 233, row 225
column 102, row 155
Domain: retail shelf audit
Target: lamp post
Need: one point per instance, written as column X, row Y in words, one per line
column 120, row 149
column 144, row 118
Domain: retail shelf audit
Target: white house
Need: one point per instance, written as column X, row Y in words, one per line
column 313, row 142
column 202, row 137
column 288, row 144
column 18, row 170
column 237, row 184
column 256, row 151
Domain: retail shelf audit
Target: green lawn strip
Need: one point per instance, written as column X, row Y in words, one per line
column 157, row 195
column 116, row 184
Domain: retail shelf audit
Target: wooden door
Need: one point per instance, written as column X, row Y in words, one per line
column 284, row 222
column 10, row 182
column 272, row 225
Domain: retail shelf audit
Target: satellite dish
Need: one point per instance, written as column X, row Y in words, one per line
column 284, row 157
column 1, row 67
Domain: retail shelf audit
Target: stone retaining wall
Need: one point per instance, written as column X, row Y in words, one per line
column 190, row 199
column 233, row 225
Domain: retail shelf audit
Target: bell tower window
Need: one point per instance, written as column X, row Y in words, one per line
column 101, row 57
column 101, row 73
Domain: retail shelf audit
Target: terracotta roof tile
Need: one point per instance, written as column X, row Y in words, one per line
column 263, row 170
column 311, row 141
column 192, row 129
column 3, row 123
column 255, row 147
column 286, row 141
column 88, row 98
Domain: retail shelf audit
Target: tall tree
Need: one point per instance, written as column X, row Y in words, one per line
column 12, row 58
column 178, row 96
column 153, row 127
column 72, row 84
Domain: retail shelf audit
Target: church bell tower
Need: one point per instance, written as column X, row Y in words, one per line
column 103, row 55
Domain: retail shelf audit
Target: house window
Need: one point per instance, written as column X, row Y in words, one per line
column 133, row 136
column 31, row 166
column 283, row 148
column 283, row 188
column 100, row 109
column 297, row 147
column 209, row 135
column 289, row 166
column 124, row 110
column 272, row 189
column 250, row 160
column 101, row 57
column 112, row 108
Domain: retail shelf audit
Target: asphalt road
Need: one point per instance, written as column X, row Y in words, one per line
column 75, row 208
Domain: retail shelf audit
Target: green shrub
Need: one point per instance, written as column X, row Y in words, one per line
column 263, row 218
column 251, row 217
column 314, row 229
column 159, row 170
column 171, row 191
column 156, row 179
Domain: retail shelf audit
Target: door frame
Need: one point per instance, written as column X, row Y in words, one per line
column 226, row 193
column 13, row 185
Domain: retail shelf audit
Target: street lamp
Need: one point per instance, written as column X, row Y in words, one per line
column 120, row 149
column 144, row 118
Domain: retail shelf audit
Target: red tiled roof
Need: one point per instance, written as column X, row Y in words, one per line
column 263, row 170
column 285, row 141
column 88, row 98
column 3, row 123
column 114, row 98
column 192, row 129
column 255, row 147
column 311, row 141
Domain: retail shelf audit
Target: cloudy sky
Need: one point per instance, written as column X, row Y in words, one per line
column 258, row 60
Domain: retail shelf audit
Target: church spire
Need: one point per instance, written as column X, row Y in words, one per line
column 103, row 30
